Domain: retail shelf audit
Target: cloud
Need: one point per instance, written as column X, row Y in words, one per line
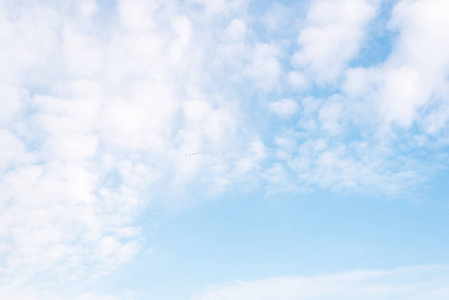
column 332, row 36
column 99, row 108
column 329, row 116
column 278, row 17
column 415, row 71
column 285, row 108
column 236, row 30
column 427, row 282
column 409, row 87
column 223, row 7
column 297, row 80
column 279, row 180
column 351, row 166
column 398, row 102
column 264, row 68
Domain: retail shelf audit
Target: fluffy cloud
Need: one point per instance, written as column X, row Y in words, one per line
column 410, row 85
column 98, row 108
column 285, row 108
column 265, row 69
column 332, row 36
column 417, row 67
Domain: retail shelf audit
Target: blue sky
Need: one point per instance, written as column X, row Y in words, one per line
column 224, row 149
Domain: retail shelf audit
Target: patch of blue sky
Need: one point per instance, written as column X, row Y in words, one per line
column 254, row 236
column 379, row 41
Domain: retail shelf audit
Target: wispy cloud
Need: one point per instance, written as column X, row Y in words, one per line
column 428, row 282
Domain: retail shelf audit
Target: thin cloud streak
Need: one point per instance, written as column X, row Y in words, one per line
column 426, row 282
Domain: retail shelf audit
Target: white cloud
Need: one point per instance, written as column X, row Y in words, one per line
column 279, row 180
column 418, row 283
column 333, row 33
column 286, row 144
column 285, row 108
column 137, row 14
column 402, row 100
column 410, row 86
column 401, row 95
column 12, row 151
column 236, row 30
column 277, row 18
column 265, row 69
column 87, row 8
column 214, row 7
column 416, row 70
column 98, row 108
column 356, row 81
column 11, row 100
column 251, row 160
column 330, row 115
column 319, row 159
column 297, row 80
column 178, row 47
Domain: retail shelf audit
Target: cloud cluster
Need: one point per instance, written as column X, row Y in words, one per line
column 374, row 119
column 100, row 103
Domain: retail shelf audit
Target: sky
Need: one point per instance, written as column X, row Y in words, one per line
column 224, row 149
